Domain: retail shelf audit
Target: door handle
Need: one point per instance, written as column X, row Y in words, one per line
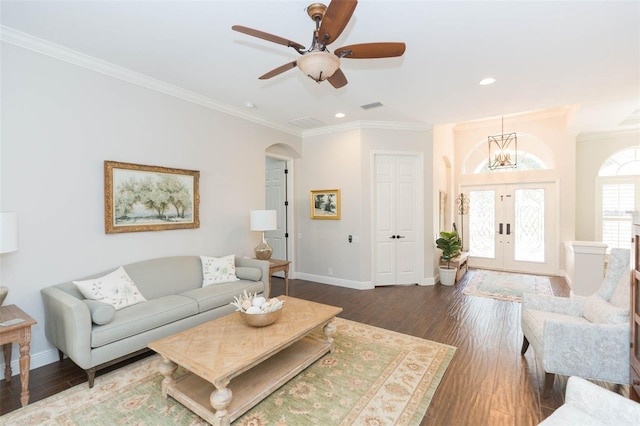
column 400, row 236
column 508, row 229
column 393, row 237
column 500, row 229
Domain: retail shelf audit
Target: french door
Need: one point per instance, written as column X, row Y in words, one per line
column 512, row 227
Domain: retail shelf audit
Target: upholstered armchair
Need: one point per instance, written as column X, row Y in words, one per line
column 583, row 336
column 586, row 403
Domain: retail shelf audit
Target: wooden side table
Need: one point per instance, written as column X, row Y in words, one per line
column 17, row 333
column 277, row 265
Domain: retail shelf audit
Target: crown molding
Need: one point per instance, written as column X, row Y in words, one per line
column 605, row 135
column 35, row 44
column 44, row 47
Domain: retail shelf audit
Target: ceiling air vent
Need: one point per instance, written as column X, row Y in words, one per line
column 371, row 105
column 307, row 123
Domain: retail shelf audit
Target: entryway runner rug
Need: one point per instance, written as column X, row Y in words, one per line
column 374, row 377
column 506, row 285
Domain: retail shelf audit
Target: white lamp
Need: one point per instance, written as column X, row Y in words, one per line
column 8, row 241
column 263, row 220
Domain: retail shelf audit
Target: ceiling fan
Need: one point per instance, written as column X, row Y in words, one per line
column 317, row 61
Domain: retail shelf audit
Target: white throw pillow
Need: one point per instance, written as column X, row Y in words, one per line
column 217, row 270
column 598, row 310
column 117, row 289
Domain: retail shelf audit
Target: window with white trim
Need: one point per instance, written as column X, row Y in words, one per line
column 618, row 191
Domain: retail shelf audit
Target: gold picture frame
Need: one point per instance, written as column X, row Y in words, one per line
column 325, row 204
column 149, row 198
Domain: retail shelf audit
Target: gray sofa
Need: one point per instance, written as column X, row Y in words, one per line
column 175, row 302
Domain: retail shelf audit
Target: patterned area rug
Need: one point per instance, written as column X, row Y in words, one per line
column 374, row 377
column 505, row 285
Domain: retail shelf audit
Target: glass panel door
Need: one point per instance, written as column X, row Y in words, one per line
column 512, row 227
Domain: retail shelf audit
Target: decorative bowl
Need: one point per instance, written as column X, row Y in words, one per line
column 261, row 320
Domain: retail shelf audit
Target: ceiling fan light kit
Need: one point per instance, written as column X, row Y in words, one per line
column 318, row 62
column 319, row 65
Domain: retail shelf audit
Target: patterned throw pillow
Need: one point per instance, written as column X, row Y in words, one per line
column 117, row 289
column 216, row 270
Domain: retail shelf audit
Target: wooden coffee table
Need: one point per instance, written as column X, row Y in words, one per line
column 233, row 366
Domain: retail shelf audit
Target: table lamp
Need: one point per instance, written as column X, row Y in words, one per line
column 8, row 241
column 263, row 220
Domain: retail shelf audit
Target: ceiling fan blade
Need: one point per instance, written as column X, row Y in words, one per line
column 279, row 70
column 338, row 79
column 335, row 19
column 371, row 50
column 268, row 37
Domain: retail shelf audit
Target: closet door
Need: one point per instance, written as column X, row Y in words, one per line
column 396, row 218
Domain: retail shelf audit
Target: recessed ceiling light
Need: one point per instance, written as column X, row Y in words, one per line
column 340, row 115
column 487, row 81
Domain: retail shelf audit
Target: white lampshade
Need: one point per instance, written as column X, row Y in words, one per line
column 8, row 232
column 263, row 220
column 318, row 65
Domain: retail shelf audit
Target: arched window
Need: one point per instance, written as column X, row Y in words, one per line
column 618, row 196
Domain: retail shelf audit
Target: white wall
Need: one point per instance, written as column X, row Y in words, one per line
column 592, row 149
column 60, row 122
column 343, row 160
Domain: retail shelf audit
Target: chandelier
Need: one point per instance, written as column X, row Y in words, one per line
column 500, row 148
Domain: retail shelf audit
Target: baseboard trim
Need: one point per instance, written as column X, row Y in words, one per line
column 37, row 360
column 356, row 285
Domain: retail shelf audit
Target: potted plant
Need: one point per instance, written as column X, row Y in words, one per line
column 451, row 245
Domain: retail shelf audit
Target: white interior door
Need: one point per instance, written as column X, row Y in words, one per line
column 397, row 220
column 275, row 197
column 512, row 227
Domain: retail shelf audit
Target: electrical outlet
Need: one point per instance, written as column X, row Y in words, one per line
column 330, row 271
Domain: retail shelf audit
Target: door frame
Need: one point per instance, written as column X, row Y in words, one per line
column 551, row 266
column 290, row 241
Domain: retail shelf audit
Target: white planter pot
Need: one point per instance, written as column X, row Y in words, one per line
column 448, row 276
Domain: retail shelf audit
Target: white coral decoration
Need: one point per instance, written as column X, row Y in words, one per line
column 251, row 303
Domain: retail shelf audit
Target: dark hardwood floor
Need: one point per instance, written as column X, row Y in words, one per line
column 487, row 382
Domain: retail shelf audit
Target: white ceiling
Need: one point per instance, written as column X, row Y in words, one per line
column 544, row 54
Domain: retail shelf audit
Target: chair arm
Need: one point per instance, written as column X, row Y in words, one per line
column 68, row 325
column 591, row 351
column 560, row 305
column 602, row 404
column 263, row 265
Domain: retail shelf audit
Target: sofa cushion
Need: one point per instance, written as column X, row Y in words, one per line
column 248, row 273
column 101, row 313
column 216, row 270
column 115, row 288
column 142, row 317
column 165, row 276
column 597, row 310
column 212, row 297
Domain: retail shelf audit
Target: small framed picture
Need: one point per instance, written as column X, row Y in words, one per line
column 149, row 198
column 325, row 204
